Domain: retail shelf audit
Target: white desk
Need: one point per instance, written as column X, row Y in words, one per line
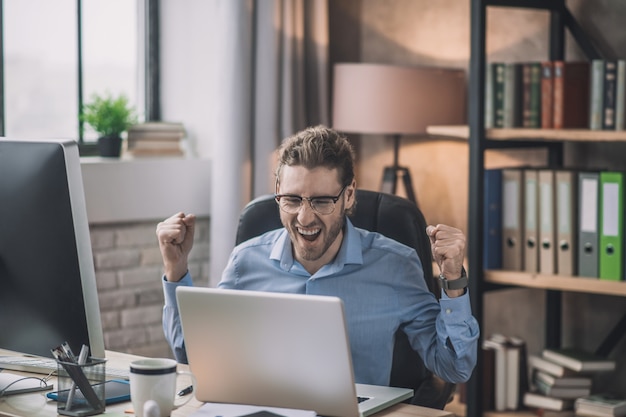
column 37, row 405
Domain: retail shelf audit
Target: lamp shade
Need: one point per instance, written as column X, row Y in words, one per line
column 387, row 99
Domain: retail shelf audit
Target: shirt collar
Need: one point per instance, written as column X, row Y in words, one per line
column 350, row 251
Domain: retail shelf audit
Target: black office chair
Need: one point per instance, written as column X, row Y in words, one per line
column 399, row 219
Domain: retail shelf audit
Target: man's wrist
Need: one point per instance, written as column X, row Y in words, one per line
column 175, row 275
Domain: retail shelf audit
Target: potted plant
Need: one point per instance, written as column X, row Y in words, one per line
column 109, row 117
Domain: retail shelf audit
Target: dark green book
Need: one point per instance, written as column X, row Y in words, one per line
column 498, row 93
column 531, row 94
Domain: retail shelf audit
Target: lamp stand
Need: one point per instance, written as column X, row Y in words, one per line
column 392, row 174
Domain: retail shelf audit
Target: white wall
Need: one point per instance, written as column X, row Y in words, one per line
column 122, row 191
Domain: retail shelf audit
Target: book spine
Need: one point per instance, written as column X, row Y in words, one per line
column 489, row 99
column 596, row 93
column 498, row 94
column 557, row 94
column 546, row 94
column 620, row 95
column 535, row 95
column 608, row 105
column 575, row 94
column 526, row 111
column 571, row 94
column 513, row 95
column 492, row 254
column 531, row 94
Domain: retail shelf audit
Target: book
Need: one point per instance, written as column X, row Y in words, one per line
column 156, row 152
column 596, row 94
column 602, row 404
column 579, row 360
column 565, row 381
column 498, row 93
column 156, row 131
column 588, row 220
column 546, row 94
column 570, row 95
column 498, row 344
column 158, row 127
column 510, row 381
column 489, row 96
column 609, row 99
column 517, row 372
column 549, row 367
column 620, row 95
column 534, row 399
column 566, row 221
column 561, row 392
column 546, row 221
column 512, row 219
column 512, row 116
column 530, row 233
column 611, row 230
column 153, row 145
column 531, row 94
column 492, row 250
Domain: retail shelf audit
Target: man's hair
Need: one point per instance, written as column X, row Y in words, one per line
column 318, row 146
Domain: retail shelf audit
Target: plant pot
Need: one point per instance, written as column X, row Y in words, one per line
column 110, row 146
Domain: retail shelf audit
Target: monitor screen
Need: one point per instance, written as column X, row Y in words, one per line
column 48, row 289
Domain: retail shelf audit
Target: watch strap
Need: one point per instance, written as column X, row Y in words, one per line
column 454, row 284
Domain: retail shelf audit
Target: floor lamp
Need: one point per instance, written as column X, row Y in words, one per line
column 395, row 100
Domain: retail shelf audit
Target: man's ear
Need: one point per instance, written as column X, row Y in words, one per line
column 350, row 194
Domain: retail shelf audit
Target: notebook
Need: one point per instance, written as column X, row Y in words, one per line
column 275, row 350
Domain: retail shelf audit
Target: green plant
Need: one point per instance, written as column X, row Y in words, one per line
column 109, row 116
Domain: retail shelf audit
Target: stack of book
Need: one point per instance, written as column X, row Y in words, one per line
column 562, row 376
column 601, row 405
column 506, row 372
column 155, row 139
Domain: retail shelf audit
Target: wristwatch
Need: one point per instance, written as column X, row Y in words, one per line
column 454, row 284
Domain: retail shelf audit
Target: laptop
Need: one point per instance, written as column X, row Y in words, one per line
column 275, row 350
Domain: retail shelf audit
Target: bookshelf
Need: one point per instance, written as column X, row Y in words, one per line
column 480, row 140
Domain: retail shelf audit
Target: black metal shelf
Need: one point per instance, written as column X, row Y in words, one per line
column 560, row 19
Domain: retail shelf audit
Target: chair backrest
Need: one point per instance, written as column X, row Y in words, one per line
column 394, row 217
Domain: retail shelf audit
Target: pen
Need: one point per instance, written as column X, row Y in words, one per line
column 82, row 359
column 185, row 391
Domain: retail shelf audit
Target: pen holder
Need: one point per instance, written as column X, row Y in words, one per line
column 81, row 387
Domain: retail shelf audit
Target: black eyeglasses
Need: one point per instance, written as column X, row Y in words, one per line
column 291, row 203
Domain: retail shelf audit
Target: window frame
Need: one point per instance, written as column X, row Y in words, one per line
column 151, row 68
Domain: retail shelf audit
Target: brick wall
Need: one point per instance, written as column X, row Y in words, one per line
column 128, row 274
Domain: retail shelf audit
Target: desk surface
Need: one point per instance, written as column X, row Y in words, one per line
column 37, row 405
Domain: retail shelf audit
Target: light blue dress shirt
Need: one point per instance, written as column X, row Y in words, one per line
column 382, row 286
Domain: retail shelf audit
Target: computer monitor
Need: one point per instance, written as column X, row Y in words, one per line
column 48, row 289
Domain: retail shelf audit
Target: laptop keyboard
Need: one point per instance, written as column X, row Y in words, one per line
column 46, row 366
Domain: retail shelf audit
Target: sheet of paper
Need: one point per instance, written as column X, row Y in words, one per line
column 238, row 410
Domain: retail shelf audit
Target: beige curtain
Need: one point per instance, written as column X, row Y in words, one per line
column 272, row 82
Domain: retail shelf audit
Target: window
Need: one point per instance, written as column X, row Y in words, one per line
column 58, row 53
column 40, row 68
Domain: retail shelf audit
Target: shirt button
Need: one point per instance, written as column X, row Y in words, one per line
column 448, row 310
